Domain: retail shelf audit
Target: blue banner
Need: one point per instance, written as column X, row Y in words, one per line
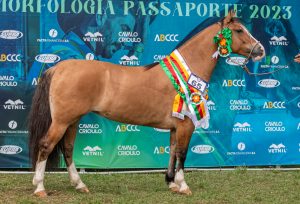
column 255, row 120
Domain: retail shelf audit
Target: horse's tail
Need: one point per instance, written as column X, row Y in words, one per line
column 40, row 121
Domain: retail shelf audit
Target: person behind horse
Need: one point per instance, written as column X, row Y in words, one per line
column 297, row 58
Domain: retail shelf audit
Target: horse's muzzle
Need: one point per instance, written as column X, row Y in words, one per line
column 258, row 52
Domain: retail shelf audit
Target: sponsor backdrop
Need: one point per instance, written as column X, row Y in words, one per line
column 255, row 120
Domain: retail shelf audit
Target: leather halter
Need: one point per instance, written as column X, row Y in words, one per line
column 243, row 65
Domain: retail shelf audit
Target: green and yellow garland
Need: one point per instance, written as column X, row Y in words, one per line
column 224, row 41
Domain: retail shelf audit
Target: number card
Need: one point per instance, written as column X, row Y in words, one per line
column 197, row 83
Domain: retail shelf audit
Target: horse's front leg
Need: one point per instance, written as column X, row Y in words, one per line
column 170, row 174
column 184, row 132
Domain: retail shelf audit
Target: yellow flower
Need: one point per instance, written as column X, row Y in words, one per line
column 223, row 51
column 196, row 98
column 223, row 42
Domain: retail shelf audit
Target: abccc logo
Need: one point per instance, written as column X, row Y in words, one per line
column 127, row 128
column 166, row 37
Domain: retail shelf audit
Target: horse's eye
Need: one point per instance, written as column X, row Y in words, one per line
column 239, row 31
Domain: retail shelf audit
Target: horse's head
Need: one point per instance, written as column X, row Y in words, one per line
column 243, row 42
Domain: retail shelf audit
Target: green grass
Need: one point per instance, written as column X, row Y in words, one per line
column 216, row 187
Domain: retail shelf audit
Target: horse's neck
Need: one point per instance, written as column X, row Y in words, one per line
column 198, row 52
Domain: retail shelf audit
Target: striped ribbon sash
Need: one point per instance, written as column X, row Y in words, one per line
column 188, row 101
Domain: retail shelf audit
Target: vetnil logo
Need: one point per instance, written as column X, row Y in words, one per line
column 14, row 105
column 242, row 127
column 277, row 149
column 92, row 151
column 129, row 61
column 279, row 41
column 93, row 37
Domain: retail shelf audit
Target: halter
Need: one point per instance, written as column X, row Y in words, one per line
column 243, row 65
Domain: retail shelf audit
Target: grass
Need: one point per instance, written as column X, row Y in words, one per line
column 215, row 187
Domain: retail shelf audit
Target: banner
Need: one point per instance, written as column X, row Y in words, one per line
column 255, row 120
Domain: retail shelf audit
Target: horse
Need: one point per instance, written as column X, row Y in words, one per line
column 134, row 95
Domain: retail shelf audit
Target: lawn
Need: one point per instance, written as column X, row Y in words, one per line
column 216, row 187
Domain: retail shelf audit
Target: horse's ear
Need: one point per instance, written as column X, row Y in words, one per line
column 229, row 17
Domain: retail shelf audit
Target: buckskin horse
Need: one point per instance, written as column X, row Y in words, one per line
column 135, row 95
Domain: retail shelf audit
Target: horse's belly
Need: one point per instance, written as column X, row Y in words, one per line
column 139, row 107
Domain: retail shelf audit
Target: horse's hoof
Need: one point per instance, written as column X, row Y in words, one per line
column 41, row 194
column 186, row 192
column 83, row 190
column 174, row 187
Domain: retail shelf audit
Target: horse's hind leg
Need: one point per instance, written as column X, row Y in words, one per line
column 184, row 132
column 170, row 174
column 68, row 146
column 46, row 145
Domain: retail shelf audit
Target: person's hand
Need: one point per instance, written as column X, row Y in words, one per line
column 297, row 58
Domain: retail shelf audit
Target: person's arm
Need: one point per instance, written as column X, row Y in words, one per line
column 297, row 58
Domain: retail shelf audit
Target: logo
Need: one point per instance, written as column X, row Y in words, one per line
column 53, row 33
column 235, row 83
column 129, row 61
column 279, row 41
column 166, row 38
column 236, row 61
column 157, row 58
column 161, row 130
column 89, row 56
column 242, row 127
column 277, row 149
column 35, row 81
column 272, row 62
column 275, row 60
column 14, row 105
column 296, row 88
column 10, row 149
column 92, row 151
column 241, row 146
column 8, row 81
column 128, row 150
column 211, row 105
column 274, row 126
column 162, row 150
column 298, row 104
column 10, row 58
column 93, row 37
column 274, row 105
column 129, row 37
column 12, row 124
column 12, row 129
column 47, row 58
column 269, row 83
column 89, row 129
column 10, row 34
column 238, row 105
column 203, row 149
column 127, row 128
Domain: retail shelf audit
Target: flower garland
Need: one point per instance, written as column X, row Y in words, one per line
column 224, row 41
